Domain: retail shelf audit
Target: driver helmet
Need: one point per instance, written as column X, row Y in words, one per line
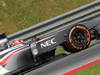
column 17, row 42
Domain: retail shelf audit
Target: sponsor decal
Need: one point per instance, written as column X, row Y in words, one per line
column 48, row 43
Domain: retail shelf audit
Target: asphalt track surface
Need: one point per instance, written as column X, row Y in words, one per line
column 70, row 62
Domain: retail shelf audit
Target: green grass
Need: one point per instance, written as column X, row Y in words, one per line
column 59, row 50
column 18, row 14
column 93, row 70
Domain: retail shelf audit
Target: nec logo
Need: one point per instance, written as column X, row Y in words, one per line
column 48, row 43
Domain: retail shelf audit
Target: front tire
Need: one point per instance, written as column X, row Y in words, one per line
column 78, row 38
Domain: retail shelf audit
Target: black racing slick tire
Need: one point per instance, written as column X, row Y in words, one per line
column 78, row 38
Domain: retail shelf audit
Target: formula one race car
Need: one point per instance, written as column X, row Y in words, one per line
column 73, row 38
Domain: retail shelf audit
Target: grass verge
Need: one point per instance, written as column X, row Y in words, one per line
column 19, row 14
column 93, row 70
